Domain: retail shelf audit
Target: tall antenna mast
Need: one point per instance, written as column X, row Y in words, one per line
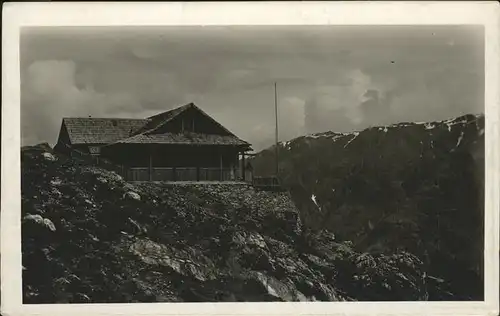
column 276, row 115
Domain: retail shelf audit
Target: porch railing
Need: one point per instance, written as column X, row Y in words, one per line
column 182, row 174
column 267, row 183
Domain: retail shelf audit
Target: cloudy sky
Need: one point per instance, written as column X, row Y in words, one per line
column 335, row 78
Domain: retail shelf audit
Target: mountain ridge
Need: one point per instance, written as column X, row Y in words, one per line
column 391, row 188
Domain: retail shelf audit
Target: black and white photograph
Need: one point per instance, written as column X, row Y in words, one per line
column 252, row 163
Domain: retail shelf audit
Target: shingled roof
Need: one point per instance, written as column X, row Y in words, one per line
column 112, row 131
column 158, row 120
column 155, row 121
column 100, row 130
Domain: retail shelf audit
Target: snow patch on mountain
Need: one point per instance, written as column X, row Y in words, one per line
column 459, row 139
column 429, row 126
column 329, row 134
column 313, row 198
column 286, row 144
column 334, row 138
column 449, row 124
column 350, row 141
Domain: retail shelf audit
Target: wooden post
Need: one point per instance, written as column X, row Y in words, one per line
column 221, row 173
column 150, row 163
column 243, row 165
column 276, row 117
column 235, row 165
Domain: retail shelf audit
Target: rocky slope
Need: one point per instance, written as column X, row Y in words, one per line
column 416, row 187
column 88, row 236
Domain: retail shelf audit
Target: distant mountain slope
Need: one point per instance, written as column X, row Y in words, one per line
column 90, row 237
column 412, row 186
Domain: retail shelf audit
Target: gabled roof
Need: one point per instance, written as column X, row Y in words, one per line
column 100, row 130
column 111, row 131
column 159, row 120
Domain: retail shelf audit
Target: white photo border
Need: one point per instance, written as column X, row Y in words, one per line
column 18, row 15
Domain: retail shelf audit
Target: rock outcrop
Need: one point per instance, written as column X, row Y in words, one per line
column 90, row 237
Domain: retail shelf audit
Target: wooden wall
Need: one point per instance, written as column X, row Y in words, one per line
column 63, row 142
column 138, row 155
column 64, row 145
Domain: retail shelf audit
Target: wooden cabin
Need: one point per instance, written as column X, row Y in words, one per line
column 183, row 144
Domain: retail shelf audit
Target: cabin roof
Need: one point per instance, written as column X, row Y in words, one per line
column 141, row 131
column 155, row 121
column 89, row 130
column 158, row 120
column 187, row 138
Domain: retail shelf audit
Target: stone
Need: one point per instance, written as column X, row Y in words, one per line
column 49, row 156
column 132, row 195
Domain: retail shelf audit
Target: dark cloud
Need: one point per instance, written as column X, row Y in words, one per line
column 329, row 78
